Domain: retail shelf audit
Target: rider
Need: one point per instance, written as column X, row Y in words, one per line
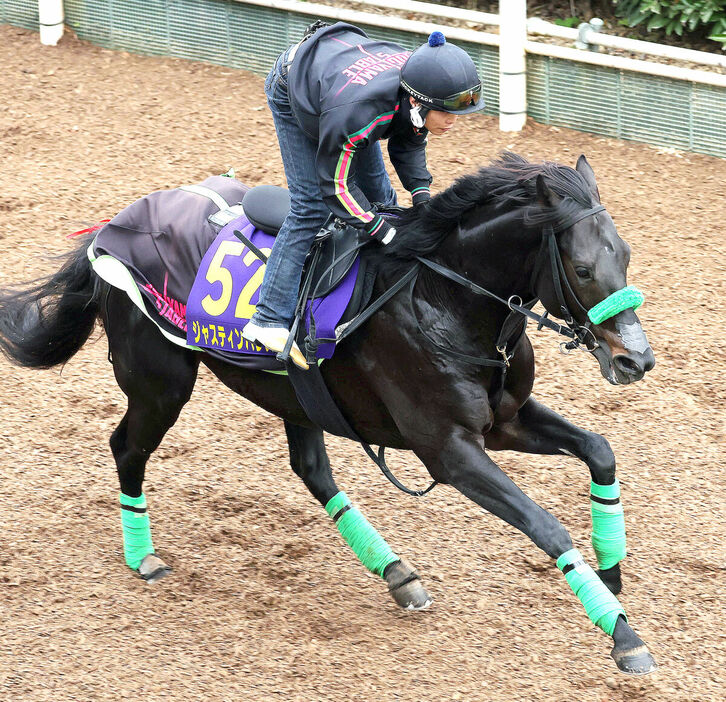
column 333, row 96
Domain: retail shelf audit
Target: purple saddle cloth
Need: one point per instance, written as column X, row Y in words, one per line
column 201, row 284
column 227, row 289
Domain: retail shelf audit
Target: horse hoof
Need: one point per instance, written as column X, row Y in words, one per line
column 412, row 596
column 405, row 587
column 153, row 569
column 634, row 661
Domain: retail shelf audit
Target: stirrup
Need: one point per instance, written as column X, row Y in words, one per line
column 286, row 349
column 291, row 349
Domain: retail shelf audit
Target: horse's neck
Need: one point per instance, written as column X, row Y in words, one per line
column 498, row 256
column 497, row 253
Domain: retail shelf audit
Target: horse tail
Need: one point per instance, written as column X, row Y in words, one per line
column 45, row 324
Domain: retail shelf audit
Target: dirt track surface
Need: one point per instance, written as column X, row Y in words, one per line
column 266, row 601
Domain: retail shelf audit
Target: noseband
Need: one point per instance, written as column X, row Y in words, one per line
column 581, row 334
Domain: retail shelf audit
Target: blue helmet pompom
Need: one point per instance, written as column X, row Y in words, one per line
column 437, row 39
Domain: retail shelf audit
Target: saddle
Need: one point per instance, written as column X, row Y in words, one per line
column 335, row 250
column 178, row 256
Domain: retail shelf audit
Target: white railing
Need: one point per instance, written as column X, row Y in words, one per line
column 512, row 41
column 635, row 46
column 436, row 10
column 535, row 25
column 375, row 20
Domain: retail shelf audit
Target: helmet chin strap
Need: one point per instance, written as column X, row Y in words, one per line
column 418, row 115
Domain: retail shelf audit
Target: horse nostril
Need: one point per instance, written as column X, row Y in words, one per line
column 627, row 365
column 649, row 361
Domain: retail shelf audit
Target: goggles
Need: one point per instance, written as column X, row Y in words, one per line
column 461, row 100
column 454, row 103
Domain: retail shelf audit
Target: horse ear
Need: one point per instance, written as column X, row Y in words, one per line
column 545, row 195
column 585, row 170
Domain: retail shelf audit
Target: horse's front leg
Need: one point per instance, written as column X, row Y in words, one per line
column 537, row 429
column 462, row 462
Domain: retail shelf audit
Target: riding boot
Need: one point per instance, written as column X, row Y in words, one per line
column 274, row 338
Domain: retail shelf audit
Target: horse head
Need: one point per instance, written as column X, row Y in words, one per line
column 590, row 278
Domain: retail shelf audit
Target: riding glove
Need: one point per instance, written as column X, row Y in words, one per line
column 420, row 196
column 381, row 230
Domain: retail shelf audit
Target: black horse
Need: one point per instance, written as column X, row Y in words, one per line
column 441, row 369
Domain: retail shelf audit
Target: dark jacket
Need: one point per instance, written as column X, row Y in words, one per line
column 344, row 92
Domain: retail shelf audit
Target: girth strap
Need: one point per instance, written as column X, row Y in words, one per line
column 310, row 387
column 315, row 398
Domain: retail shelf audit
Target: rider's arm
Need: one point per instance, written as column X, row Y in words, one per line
column 407, row 150
column 339, row 142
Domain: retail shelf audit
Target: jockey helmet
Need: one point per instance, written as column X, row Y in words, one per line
column 442, row 77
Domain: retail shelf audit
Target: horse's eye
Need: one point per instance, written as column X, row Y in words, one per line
column 582, row 272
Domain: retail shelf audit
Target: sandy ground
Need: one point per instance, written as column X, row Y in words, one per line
column 266, row 601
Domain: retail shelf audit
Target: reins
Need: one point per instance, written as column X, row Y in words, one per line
column 574, row 331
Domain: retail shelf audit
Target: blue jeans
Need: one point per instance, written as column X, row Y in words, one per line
column 308, row 212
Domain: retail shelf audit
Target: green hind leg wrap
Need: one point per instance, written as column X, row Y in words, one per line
column 136, row 530
column 600, row 604
column 608, row 524
column 372, row 551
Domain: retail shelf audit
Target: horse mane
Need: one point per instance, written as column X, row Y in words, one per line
column 507, row 184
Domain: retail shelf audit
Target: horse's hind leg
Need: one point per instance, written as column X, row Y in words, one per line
column 310, row 462
column 157, row 377
column 537, row 429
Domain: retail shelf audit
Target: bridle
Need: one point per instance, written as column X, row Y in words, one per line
column 580, row 335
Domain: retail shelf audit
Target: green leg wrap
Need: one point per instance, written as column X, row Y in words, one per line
column 608, row 524
column 600, row 604
column 136, row 530
column 372, row 551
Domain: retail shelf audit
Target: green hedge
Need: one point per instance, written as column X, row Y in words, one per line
column 677, row 16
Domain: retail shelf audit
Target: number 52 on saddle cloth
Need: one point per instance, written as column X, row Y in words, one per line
column 176, row 255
